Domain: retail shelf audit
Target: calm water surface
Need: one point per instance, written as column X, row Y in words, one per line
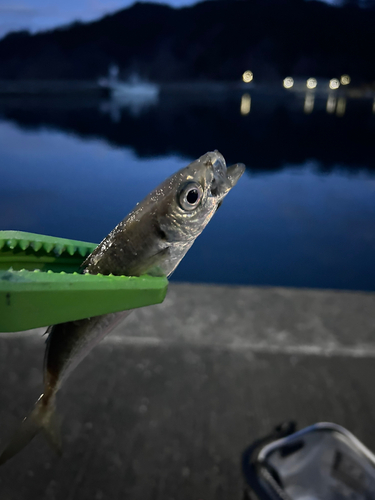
column 302, row 215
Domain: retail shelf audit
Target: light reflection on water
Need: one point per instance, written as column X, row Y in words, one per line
column 305, row 223
column 331, row 104
column 245, row 104
column 309, row 102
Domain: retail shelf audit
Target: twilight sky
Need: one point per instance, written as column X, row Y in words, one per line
column 36, row 15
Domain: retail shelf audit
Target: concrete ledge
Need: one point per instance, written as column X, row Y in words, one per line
column 269, row 319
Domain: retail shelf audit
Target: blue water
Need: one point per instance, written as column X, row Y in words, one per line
column 303, row 224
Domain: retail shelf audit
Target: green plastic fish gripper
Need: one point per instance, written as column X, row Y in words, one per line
column 40, row 284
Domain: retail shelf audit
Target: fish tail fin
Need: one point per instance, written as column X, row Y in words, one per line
column 42, row 417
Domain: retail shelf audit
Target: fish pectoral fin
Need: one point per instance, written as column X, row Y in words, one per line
column 41, row 417
column 151, row 266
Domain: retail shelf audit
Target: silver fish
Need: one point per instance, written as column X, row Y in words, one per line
column 152, row 240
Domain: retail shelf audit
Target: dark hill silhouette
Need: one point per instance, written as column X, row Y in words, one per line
column 213, row 40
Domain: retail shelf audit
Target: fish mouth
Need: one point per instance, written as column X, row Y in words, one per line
column 224, row 178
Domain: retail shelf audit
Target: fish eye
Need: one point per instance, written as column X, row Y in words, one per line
column 190, row 196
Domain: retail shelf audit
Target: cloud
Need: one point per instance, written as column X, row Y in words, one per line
column 37, row 15
column 33, row 15
column 17, row 12
column 11, row 8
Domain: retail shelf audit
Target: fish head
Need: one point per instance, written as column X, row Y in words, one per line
column 195, row 193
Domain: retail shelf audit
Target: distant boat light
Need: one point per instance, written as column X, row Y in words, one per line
column 311, row 83
column 288, row 82
column 247, row 76
column 345, row 79
column 334, row 84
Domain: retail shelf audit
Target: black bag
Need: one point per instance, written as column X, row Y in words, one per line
column 321, row 462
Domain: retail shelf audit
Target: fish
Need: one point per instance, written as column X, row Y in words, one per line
column 152, row 239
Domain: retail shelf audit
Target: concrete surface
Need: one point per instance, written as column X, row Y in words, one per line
column 163, row 408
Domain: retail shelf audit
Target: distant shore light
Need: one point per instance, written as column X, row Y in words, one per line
column 311, row 83
column 345, row 79
column 288, row 82
column 334, row 84
column 247, row 76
